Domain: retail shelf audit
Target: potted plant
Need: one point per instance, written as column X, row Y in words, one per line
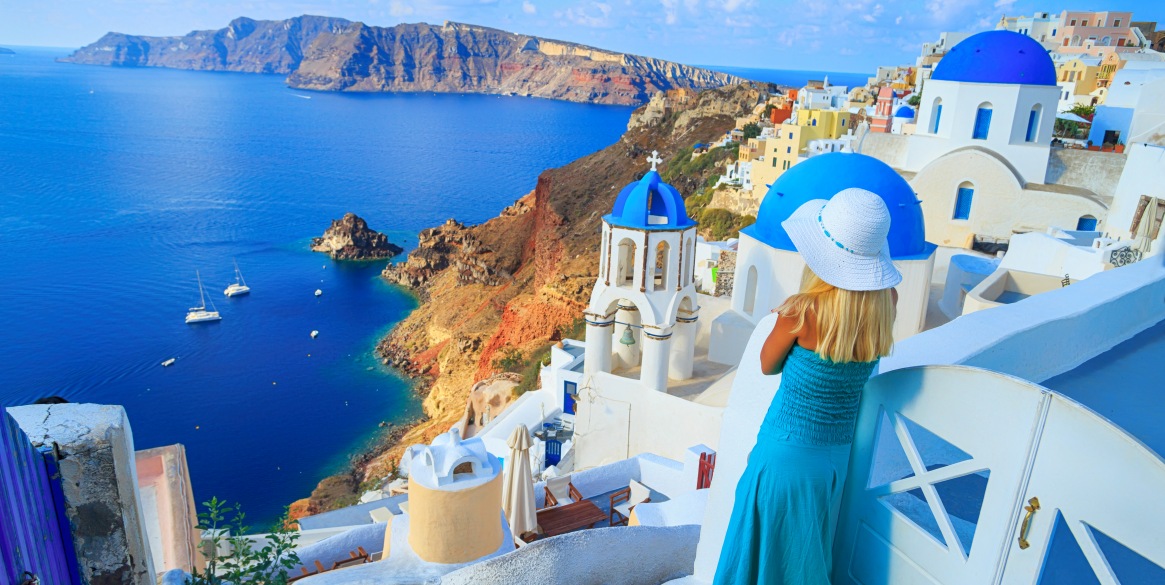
column 1090, row 147
column 1120, row 147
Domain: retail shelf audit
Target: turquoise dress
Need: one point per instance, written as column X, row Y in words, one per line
column 788, row 499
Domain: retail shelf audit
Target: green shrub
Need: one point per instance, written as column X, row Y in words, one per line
column 243, row 565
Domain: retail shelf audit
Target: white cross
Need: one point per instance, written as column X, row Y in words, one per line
column 654, row 159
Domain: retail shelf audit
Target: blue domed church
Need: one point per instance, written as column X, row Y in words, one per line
column 769, row 268
column 981, row 152
column 643, row 311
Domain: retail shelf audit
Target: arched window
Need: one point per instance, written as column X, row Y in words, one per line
column 963, row 199
column 1106, row 41
column 936, row 115
column 1086, row 223
column 1033, row 123
column 662, row 257
column 982, row 122
column 625, row 269
column 750, row 291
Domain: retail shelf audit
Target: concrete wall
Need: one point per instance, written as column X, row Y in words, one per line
column 171, row 518
column 99, row 478
column 634, row 555
column 1098, row 172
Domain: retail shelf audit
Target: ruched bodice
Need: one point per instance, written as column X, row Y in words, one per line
column 817, row 403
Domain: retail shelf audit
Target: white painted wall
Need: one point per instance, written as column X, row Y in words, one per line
column 1144, row 174
column 620, row 418
column 1011, row 105
column 1001, row 205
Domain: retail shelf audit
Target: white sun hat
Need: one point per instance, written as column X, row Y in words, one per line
column 843, row 240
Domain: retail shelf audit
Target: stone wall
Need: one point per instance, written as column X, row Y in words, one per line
column 99, row 479
column 737, row 200
column 725, row 271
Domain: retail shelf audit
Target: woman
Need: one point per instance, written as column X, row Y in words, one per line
column 826, row 341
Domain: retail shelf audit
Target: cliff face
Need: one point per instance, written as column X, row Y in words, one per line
column 246, row 45
column 510, row 284
column 333, row 54
column 464, row 58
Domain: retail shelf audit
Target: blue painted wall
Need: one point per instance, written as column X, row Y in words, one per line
column 1110, row 119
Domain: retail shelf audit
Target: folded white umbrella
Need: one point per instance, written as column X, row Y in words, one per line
column 1069, row 116
column 518, row 485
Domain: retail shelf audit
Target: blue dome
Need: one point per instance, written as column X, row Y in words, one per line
column 822, row 177
column 997, row 56
column 904, row 112
column 649, row 203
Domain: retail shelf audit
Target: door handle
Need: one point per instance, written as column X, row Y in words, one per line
column 1031, row 507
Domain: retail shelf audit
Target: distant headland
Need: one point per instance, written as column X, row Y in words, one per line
column 333, row 54
column 4, row 51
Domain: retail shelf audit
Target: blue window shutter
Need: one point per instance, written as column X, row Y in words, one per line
column 963, row 203
column 843, row 122
column 938, row 116
column 982, row 124
column 1086, row 224
column 788, row 150
column 1032, row 119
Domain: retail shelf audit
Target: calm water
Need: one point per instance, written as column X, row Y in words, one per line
column 794, row 78
column 117, row 184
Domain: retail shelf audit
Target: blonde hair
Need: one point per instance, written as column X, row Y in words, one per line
column 852, row 326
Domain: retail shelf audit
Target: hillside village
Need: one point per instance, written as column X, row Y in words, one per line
column 591, row 355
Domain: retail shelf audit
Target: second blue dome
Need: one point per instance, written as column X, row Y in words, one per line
column 822, row 177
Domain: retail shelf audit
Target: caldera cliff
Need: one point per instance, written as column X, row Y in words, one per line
column 495, row 295
column 333, row 54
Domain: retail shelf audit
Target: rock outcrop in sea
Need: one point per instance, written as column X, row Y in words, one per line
column 350, row 238
column 333, row 54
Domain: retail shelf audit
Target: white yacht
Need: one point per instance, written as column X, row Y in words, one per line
column 239, row 287
column 200, row 314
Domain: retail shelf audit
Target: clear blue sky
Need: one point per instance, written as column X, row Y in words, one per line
column 833, row 35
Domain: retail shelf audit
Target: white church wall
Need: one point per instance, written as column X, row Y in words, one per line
column 1001, row 206
column 1010, row 105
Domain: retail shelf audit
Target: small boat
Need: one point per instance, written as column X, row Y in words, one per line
column 319, row 292
column 314, row 334
column 168, row 363
column 239, row 287
column 200, row 314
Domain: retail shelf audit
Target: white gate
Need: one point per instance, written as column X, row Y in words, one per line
column 944, row 464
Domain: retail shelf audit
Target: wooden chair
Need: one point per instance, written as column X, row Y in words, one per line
column 625, row 500
column 559, row 492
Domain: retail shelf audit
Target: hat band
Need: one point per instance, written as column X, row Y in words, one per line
column 825, row 231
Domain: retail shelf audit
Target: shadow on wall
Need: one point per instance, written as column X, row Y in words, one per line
column 631, row 555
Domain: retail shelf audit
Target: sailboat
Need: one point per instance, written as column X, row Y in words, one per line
column 200, row 314
column 239, row 287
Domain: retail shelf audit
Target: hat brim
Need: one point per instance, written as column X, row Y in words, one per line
column 833, row 264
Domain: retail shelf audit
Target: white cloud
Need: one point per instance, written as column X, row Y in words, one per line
column 529, row 8
column 592, row 14
column 669, row 10
column 1004, row 4
column 732, row 5
column 398, row 8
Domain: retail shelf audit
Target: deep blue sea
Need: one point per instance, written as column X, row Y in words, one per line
column 795, row 78
column 116, row 185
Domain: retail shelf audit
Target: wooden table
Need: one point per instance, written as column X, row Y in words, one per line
column 568, row 518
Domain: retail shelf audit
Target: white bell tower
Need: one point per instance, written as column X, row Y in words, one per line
column 642, row 314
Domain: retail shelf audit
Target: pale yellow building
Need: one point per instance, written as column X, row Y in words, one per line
column 792, row 139
column 1085, row 76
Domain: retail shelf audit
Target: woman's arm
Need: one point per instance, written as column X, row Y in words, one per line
column 777, row 346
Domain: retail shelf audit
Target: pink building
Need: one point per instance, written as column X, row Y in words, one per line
column 1096, row 33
